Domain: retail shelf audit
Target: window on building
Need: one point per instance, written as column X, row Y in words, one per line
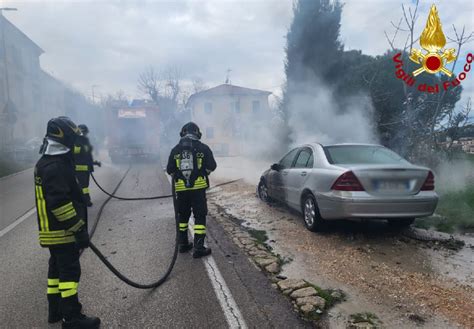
column 208, row 107
column 256, row 106
column 209, row 132
column 235, row 107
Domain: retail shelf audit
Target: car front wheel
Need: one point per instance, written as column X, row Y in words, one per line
column 311, row 216
column 262, row 190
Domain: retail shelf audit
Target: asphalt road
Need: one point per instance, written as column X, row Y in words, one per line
column 137, row 236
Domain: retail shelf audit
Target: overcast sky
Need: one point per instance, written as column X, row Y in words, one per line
column 108, row 43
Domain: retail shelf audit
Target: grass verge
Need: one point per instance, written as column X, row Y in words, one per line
column 455, row 212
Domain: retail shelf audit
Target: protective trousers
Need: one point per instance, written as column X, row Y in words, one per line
column 63, row 279
column 195, row 201
column 84, row 177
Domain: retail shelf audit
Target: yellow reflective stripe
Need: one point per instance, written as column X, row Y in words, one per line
column 38, row 207
column 200, row 229
column 178, row 161
column 68, row 293
column 199, row 163
column 51, row 291
column 77, row 149
column 53, row 234
column 200, row 183
column 85, row 190
column 68, row 285
column 64, row 208
column 82, row 168
column 72, row 213
column 54, row 241
column 53, row 282
column 183, row 224
column 76, row 226
column 44, row 222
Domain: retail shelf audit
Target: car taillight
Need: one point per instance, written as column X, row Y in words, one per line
column 429, row 183
column 347, row 182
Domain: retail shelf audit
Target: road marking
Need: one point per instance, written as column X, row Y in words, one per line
column 17, row 222
column 14, row 174
column 227, row 302
column 231, row 311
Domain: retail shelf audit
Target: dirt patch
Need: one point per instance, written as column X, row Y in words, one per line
column 383, row 271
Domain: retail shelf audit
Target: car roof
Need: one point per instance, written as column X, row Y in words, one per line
column 340, row 144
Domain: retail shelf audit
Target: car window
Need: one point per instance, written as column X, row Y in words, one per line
column 303, row 158
column 362, row 154
column 310, row 161
column 288, row 159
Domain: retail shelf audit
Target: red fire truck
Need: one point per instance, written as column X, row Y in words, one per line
column 133, row 131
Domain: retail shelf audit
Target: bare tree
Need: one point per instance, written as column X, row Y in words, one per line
column 149, row 83
column 198, row 85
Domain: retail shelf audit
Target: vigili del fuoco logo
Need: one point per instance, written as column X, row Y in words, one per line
column 433, row 59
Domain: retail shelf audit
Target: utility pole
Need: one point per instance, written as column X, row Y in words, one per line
column 93, row 92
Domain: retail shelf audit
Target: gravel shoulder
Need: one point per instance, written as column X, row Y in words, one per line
column 405, row 282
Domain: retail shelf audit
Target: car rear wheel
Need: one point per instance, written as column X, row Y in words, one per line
column 401, row 222
column 311, row 216
column 262, row 190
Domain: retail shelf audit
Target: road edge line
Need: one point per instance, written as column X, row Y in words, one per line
column 17, row 222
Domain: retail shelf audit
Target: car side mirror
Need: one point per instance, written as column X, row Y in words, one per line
column 275, row 167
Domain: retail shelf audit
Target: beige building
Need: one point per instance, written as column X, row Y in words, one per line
column 229, row 117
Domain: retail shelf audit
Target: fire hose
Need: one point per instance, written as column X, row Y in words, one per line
column 104, row 260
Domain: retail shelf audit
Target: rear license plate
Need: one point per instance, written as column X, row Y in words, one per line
column 390, row 186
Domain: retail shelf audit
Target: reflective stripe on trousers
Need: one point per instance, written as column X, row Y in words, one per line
column 68, row 289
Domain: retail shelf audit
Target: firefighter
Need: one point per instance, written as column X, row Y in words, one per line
column 84, row 163
column 62, row 221
column 190, row 162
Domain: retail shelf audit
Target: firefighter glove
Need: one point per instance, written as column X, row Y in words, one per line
column 98, row 163
column 82, row 238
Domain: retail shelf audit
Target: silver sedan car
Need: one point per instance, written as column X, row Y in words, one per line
column 344, row 181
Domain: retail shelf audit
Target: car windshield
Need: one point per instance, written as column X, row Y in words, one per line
column 362, row 154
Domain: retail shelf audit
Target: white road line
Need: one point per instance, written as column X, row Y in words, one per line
column 17, row 222
column 14, row 174
column 231, row 311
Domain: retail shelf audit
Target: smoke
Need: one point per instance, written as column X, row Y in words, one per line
column 314, row 115
column 452, row 176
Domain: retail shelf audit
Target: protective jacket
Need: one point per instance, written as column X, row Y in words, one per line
column 83, row 155
column 189, row 163
column 61, row 211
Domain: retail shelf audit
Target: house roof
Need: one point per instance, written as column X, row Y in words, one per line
column 228, row 89
column 22, row 34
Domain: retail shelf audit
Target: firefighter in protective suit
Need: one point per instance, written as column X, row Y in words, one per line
column 84, row 163
column 62, row 222
column 190, row 162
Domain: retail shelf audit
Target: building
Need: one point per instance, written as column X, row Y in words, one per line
column 20, row 75
column 467, row 144
column 229, row 116
column 29, row 97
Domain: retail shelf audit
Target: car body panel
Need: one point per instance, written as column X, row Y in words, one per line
column 391, row 190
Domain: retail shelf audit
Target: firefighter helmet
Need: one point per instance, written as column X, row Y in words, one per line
column 62, row 130
column 83, row 128
column 190, row 128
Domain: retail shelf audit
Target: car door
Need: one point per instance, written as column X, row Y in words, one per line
column 278, row 177
column 298, row 175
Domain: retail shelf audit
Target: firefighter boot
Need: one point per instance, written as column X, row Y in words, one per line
column 199, row 249
column 81, row 321
column 54, row 312
column 184, row 244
